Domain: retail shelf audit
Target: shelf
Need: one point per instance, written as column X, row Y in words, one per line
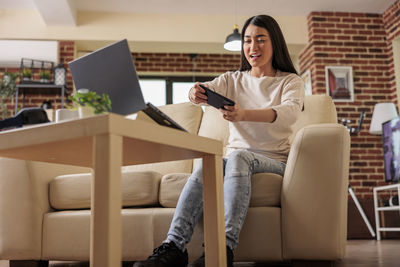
column 38, row 85
column 388, row 208
column 386, row 187
column 389, row 229
column 379, row 209
column 29, row 88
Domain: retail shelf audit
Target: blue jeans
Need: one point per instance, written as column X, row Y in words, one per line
column 238, row 168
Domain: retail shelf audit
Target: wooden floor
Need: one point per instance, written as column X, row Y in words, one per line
column 360, row 253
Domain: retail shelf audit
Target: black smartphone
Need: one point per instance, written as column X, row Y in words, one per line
column 216, row 100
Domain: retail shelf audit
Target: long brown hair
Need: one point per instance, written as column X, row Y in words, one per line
column 280, row 59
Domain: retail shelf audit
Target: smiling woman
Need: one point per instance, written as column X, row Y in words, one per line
column 264, row 47
column 268, row 96
column 257, row 48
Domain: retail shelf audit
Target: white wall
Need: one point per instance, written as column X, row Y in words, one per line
column 11, row 51
column 165, row 33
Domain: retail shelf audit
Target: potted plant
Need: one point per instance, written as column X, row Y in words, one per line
column 91, row 103
column 26, row 74
column 8, row 88
column 44, row 76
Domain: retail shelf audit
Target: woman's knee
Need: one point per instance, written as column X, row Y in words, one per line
column 240, row 155
column 197, row 174
column 239, row 164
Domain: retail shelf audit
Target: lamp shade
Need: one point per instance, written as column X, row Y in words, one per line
column 382, row 113
column 233, row 41
column 60, row 75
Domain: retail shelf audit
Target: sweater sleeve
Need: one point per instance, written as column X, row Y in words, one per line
column 291, row 101
column 219, row 84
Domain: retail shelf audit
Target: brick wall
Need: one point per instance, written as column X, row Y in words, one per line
column 66, row 49
column 145, row 62
column 363, row 42
column 391, row 20
column 173, row 62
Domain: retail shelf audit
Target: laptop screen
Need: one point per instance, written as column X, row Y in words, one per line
column 110, row 70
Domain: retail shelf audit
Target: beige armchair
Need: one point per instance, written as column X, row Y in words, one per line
column 45, row 215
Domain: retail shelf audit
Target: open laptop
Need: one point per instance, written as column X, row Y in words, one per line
column 111, row 70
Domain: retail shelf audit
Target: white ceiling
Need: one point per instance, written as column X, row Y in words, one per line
column 245, row 7
column 66, row 12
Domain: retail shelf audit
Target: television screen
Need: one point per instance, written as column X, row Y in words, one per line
column 391, row 149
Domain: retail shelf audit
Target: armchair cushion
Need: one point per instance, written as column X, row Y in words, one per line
column 73, row 191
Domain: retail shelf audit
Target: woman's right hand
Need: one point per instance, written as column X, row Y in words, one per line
column 196, row 94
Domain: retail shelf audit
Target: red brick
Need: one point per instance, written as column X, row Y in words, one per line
column 350, row 32
column 364, row 20
column 330, row 19
column 357, row 15
column 349, row 20
column 319, row 30
column 342, row 14
column 343, row 37
column 342, row 25
column 334, row 31
column 359, row 38
column 327, row 25
column 345, row 49
column 365, row 32
column 369, row 51
column 360, row 26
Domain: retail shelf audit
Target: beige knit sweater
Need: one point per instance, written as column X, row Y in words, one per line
column 284, row 93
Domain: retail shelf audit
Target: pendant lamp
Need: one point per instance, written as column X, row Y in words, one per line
column 233, row 41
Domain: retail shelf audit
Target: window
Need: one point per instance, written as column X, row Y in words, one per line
column 167, row 90
column 180, row 91
column 154, row 91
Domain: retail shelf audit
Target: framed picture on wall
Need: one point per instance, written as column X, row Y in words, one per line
column 339, row 83
column 306, row 76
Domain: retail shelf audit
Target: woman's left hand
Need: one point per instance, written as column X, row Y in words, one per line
column 233, row 113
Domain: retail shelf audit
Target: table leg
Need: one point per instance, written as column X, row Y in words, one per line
column 16, row 102
column 214, row 222
column 62, row 96
column 106, row 234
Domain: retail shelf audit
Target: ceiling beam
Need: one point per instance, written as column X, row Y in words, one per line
column 59, row 12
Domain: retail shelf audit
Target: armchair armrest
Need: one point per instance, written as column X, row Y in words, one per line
column 23, row 201
column 314, row 194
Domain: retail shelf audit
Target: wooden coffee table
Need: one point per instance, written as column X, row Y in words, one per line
column 107, row 142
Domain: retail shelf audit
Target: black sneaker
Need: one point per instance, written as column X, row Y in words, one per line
column 166, row 255
column 201, row 262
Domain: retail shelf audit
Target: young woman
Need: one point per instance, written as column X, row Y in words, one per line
column 269, row 97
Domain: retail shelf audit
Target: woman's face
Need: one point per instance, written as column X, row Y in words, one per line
column 257, row 47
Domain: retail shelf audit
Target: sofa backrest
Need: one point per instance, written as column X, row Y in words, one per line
column 188, row 116
column 213, row 126
column 317, row 109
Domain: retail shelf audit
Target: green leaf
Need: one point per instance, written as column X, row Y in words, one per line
column 100, row 104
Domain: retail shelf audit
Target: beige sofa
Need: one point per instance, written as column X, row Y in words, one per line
column 44, row 208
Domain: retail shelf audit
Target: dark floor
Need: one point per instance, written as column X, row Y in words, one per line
column 359, row 253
